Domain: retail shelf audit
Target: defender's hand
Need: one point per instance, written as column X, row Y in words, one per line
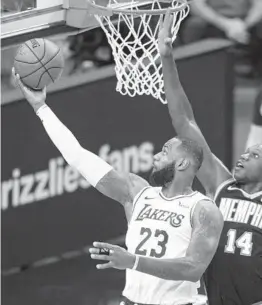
column 165, row 35
column 236, row 31
column 118, row 257
column 36, row 98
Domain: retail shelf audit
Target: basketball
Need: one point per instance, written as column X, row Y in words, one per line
column 39, row 62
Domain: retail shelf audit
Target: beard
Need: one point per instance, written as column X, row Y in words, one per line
column 163, row 176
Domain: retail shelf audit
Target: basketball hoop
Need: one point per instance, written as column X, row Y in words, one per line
column 138, row 65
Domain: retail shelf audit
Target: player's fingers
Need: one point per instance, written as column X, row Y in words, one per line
column 103, row 245
column 167, row 19
column 168, row 40
column 24, row 89
column 94, row 250
column 13, row 72
column 105, row 266
column 16, row 77
column 19, row 83
column 100, row 257
column 102, row 251
column 105, row 251
column 170, row 22
column 161, row 22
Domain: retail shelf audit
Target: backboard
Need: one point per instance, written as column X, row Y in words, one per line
column 25, row 19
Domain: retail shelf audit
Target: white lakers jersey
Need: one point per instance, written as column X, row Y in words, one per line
column 160, row 228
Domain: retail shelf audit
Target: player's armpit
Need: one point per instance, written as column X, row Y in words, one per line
column 121, row 187
column 212, row 172
column 137, row 184
column 207, row 223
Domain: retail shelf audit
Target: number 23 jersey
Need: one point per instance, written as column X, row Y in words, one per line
column 160, row 228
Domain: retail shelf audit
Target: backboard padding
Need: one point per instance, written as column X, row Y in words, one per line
column 26, row 19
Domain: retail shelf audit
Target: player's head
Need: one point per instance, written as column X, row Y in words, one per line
column 248, row 168
column 179, row 156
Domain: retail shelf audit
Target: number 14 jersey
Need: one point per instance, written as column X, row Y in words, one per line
column 234, row 276
column 160, row 228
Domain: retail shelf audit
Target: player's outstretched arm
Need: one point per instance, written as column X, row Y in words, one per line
column 212, row 172
column 120, row 187
column 207, row 225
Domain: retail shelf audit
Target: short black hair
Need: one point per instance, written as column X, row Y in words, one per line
column 193, row 149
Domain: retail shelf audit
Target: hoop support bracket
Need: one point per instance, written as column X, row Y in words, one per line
column 79, row 11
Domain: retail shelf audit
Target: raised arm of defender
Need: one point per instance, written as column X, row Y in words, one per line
column 120, row 187
column 213, row 172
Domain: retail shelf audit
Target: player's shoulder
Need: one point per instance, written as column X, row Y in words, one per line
column 137, row 185
column 208, row 211
column 231, row 189
column 137, row 179
column 208, row 220
column 198, row 196
column 147, row 191
column 225, row 185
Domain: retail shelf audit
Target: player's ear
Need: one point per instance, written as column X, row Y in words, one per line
column 182, row 164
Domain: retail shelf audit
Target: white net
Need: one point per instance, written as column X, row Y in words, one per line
column 134, row 43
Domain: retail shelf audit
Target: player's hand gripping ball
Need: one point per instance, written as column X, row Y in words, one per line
column 39, row 63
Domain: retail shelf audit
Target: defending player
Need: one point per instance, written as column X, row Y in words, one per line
column 235, row 274
column 171, row 223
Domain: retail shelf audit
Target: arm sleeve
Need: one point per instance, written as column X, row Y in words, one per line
column 91, row 167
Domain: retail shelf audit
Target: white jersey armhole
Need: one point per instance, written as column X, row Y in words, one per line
column 138, row 195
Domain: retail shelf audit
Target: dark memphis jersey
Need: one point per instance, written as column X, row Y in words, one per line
column 235, row 273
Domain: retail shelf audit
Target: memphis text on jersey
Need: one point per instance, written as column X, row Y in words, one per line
column 241, row 211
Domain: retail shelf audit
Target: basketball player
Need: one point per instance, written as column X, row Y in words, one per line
column 235, row 275
column 169, row 223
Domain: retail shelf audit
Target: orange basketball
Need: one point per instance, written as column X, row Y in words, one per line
column 39, row 62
